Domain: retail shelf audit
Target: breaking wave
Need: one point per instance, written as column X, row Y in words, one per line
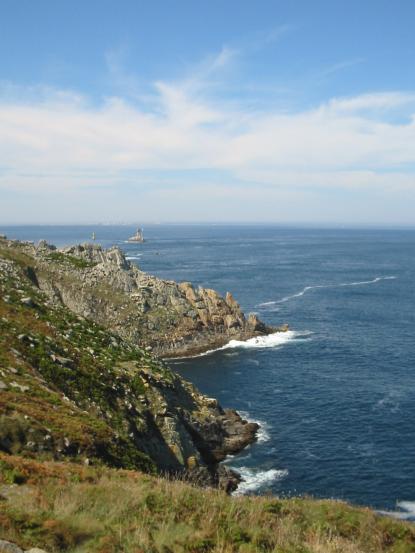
column 340, row 285
column 274, row 340
column 263, row 431
column 254, row 479
column 407, row 511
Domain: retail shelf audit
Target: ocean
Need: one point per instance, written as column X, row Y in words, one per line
column 335, row 396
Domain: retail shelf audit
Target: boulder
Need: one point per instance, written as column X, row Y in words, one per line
column 28, row 302
column 43, row 245
column 8, row 547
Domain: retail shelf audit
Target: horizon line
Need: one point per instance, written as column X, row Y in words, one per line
column 294, row 224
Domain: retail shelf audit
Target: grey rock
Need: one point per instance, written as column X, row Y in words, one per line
column 43, row 245
column 8, row 547
column 3, row 385
column 174, row 319
column 20, row 386
column 28, row 302
column 64, row 361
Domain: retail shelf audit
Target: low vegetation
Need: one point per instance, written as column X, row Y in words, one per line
column 63, row 379
column 76, row 262
column 66, row 507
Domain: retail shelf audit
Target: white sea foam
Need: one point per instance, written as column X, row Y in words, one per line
column 269, row 341
column 274, row 340
column 407, row 511
column 254, row 479
column 263, row 430
column 231, row 458
column 129, row 257
column 390, row 402
column 408, row 506
column 340, row 285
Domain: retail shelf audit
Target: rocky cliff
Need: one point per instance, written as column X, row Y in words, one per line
column 70, row 388
column 171, row 319
column 73, row 390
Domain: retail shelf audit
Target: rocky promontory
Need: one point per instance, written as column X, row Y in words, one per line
column 172, row 319
column 75, row 383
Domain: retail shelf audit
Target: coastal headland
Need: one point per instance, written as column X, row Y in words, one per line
column 80, row 378
column 170, row 319
column 91, row 418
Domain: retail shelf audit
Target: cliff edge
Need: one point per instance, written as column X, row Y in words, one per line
column 171, row 319
column 72, row 389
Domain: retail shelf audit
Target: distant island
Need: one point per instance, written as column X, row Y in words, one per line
column 138, row 236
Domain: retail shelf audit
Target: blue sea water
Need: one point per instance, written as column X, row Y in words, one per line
column 336, row 395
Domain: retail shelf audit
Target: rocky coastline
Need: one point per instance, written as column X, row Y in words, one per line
column 90, row 420
column 170, row 319
column 83, row 332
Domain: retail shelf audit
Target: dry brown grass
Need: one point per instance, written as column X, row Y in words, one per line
column 65, row 507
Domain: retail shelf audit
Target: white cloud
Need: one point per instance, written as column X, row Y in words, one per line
column 378, row 101
column 59, row 139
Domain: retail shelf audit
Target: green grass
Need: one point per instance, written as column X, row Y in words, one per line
column 77, row 262
column 64, row 507
column 101, row 376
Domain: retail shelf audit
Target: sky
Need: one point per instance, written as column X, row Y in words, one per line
column 289, row 112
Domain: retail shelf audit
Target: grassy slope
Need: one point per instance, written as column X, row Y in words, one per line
column 65, row 507
column 77, row 400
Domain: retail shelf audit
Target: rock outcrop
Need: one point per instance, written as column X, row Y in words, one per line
column 71, row 388
column 9, row 547
column 172, row 319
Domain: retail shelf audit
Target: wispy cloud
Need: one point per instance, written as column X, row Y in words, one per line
column 340, row 66
column 191, row 134
column 384, row 101
column 57, row 139
column 267, row 37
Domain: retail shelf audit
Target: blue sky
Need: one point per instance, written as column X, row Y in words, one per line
column 287, row 112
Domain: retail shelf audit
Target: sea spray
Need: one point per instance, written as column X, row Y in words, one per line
column 253, row 480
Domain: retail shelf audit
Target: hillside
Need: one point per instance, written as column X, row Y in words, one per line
column 66, row 507
column 69, row 388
